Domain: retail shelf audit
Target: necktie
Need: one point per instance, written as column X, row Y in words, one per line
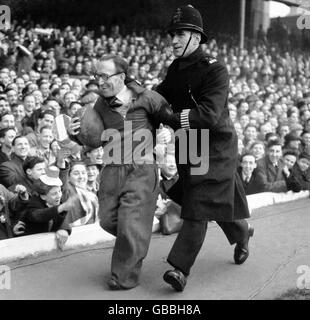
column 114, row 102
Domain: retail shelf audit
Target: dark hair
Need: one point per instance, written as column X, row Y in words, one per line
column 74, row 163
column 73, row 103
column 18, row 137
column 3, row 131
column 45, row 127
column 43, row 113
column 250, row 125
column 247, row 153
column 5, row 114
column 304, row 132
column 31, row 161
column 291, row 153
column 121, row 64
column 272, row 143
column 27, row 95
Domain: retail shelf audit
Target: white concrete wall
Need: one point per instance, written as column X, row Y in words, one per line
column 84, row 236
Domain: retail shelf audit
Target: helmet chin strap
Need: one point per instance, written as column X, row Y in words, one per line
column 190, row 38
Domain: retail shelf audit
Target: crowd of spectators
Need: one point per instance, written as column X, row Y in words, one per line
column 51, row 185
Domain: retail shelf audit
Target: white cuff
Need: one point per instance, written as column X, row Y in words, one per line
column 184, row 119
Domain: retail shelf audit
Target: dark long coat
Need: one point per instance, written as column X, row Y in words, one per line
column 200, row 83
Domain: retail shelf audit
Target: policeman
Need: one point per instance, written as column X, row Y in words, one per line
column 196, row 85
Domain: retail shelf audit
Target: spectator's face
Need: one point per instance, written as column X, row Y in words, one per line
column 4, row 106
column 4, row 78
column 12, row 97
column 275, row 153
column 169, row 167
column 46, row 137
column 96, row 155
column 248, row 164
column 266, row 128
column 21, row 147
column 258, row 151
column 277, row 111
column 37, row 171
column 115, row 83
column 77, row 85
column 250, row 133
column 233, row 114
column 289, row 160
column 38, row 97
column 74, row 108
column 44, row 88
column 47, row 121
column 79, row 67
column 29, row 103
column 294, row 118
column 306, row 139
column 69, row 97
column 244, row 120
column 78, row 176
column 20, row 84
column 54, row 105
column 19, row 112
column 92, row 173
column 284, row 130
column 53, row 197
column 7, row 121
column 303, row 164
column 8, row 138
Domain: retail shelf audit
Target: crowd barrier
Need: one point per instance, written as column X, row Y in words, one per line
column 84, row 236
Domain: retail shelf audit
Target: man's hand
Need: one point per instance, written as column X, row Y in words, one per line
column 61, row 238
column 19, row 228
column 74, row 126
column 164, row 135
column 286, row 171
column 62, row 156
column 2, row 200
column 22, row 192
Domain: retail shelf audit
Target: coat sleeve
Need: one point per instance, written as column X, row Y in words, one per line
column 35, row 212
column 161, row 111
column 8, row 176
column 212, row 99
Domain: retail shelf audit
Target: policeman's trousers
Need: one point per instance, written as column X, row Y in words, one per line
column 191, row 237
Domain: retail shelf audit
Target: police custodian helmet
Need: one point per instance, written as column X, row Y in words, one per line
column 187, row 18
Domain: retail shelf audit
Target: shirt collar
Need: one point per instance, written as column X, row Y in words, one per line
column 125, row 95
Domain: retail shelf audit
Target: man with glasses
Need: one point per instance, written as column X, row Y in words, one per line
column 129, row 181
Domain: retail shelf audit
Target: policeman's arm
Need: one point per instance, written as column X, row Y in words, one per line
column 211, row 100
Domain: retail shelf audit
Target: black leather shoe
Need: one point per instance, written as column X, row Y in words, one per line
column 176, row 279
column 114, row 285
column 242, row 248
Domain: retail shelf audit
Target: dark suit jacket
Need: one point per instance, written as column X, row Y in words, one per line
column 302, row 177
column 38, row 217
column 255, row 185
column 273, row 178
column 12, row 172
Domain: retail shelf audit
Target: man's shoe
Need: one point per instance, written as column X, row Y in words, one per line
column 176, row 279
column 114, row 285
column 242, row 248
